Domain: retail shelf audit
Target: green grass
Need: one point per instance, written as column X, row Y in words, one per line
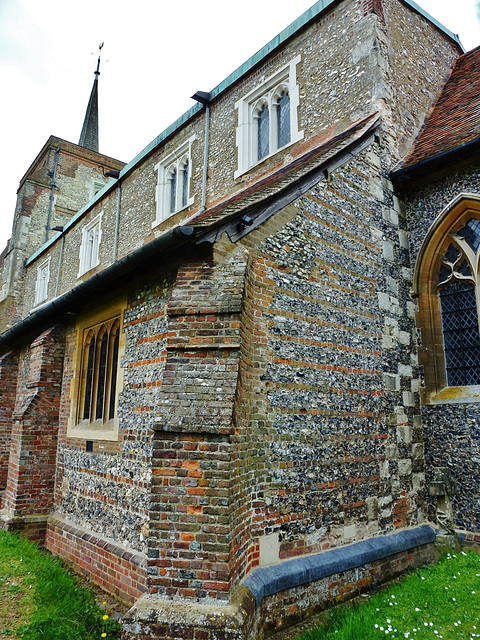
column 439, row 601
column 41, row 600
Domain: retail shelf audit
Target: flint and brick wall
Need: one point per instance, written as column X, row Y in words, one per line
column 116, row 569
column 190, row 532
column 32, row 463
column 328, row 389
column 452, row 431
column 8, row 384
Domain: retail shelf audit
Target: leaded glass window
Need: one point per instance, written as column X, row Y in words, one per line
column 99, row 371
column 184, row 185
column 263, row 132
column 173, row 190
column 461, row 335
column 283, row 119
column 457, row 287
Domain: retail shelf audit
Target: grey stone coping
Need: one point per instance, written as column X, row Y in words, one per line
column 265, row 581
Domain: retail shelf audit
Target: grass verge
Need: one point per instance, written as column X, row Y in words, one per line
column 439, row 601
column 41, row 600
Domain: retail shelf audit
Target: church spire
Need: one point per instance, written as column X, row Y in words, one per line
column 89, row 135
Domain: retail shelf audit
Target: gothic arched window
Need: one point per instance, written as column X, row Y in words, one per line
column 97, row 398
column 283, row 119
column 458, row 304
column 263, row 132
column 447, row 284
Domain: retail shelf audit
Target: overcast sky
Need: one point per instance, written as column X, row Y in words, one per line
column 157, row 53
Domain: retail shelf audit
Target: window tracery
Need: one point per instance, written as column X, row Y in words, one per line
column 447, row 288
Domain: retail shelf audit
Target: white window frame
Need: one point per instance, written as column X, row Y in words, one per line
column 90, row 247
column 173, row 161
column 95, row 187
column 268, row 93
column 43, row 279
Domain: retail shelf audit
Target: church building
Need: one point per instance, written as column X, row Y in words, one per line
column 240, row 374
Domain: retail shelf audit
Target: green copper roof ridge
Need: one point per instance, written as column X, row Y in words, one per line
column 262, row 53
column 257, row 57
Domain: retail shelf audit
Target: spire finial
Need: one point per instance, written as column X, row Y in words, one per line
column 89, row 135
column 97, row 72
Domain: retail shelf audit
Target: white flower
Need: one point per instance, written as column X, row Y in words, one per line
column 417, row 609
column 388, row 621
column 453, row 599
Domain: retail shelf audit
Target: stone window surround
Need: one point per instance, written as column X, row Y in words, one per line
column 90, row 248
column 94, row 187
column 43, row 279
column 174, row 160
column 285, row 79
column 97, row 429
column 428, row 318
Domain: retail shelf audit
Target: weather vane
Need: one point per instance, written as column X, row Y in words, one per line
column 100, row 46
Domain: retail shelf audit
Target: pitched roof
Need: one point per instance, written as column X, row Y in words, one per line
column 322, row 149
column 455, row 117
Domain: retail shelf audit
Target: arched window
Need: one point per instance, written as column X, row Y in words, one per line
column 263, row 132
column 283, row 119
column 458, row 303
column 97, row 399
column 184, row 193
column 447, row 283
column 172, row 178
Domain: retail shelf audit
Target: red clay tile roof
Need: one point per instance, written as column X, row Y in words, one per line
column 455, row 117
column 327, row 146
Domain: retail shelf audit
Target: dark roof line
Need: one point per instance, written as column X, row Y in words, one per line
column 83, row 292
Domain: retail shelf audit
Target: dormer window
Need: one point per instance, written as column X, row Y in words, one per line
column 268, row 118
column 174, row 182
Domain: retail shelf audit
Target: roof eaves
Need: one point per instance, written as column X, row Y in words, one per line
column 403, row 175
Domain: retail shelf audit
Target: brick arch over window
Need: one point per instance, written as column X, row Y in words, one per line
column 446, row 284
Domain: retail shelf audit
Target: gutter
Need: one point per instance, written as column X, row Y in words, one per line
column 83, row 292
column 403, row 177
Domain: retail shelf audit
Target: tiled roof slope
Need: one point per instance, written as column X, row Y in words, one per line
column 327, row 145
column 455, row 117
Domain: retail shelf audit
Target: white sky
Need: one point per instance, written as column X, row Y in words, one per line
column 157, row 53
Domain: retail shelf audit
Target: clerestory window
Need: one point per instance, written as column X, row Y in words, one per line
column 90, row 247
column 268, row 118
column 43, row 278
column 174, row 181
